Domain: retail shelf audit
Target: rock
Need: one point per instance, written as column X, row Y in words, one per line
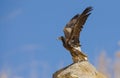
column 78, row 70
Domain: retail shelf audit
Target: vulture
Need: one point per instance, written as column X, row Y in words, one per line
column 72, row 32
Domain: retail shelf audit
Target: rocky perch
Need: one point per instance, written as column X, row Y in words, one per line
column 78, row 70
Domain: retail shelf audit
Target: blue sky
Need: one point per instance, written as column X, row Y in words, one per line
column 29, row 29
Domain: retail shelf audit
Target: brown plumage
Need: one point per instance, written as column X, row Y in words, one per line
column 72, row 32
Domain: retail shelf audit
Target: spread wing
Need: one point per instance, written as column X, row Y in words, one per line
column 69, row 27
column 77, row 27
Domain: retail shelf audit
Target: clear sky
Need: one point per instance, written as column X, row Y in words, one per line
column 29, row 29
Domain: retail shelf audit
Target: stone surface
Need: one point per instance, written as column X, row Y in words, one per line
column 78, row 70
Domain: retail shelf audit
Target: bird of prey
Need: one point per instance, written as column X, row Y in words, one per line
column 72, row 32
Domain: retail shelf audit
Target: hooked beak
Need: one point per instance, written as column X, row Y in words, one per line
column 59, row 38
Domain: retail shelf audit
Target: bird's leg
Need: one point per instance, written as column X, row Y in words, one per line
column 78, row 56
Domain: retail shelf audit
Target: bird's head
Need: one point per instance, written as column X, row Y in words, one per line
column 62, row 39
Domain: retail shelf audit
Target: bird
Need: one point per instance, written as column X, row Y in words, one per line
column 72, row 33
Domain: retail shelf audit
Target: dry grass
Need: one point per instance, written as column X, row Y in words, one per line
column 109, row 66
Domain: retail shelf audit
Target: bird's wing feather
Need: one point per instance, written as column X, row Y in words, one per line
column 69, row 27
column 74, row 38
